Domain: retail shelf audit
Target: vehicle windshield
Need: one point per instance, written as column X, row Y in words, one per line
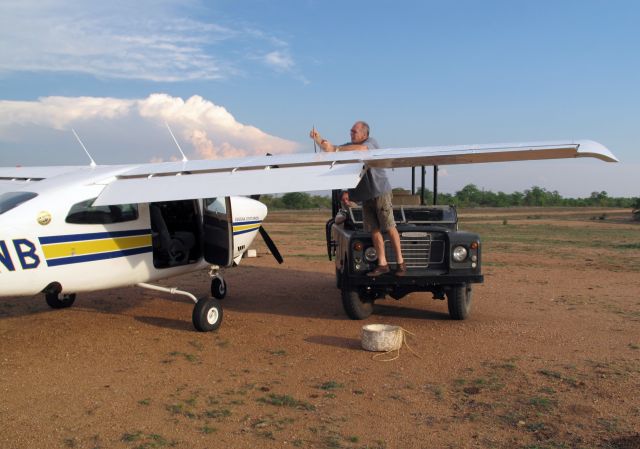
column 415, row 214
column 10, row 200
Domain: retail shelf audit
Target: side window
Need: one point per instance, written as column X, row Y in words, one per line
column 216, row 206
column 9, row 200
column 85, row 213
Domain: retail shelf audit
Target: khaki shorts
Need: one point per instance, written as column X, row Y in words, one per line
column 377, row 213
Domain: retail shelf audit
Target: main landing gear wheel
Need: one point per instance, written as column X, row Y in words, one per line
column 459, row 302
column 207, row 314
column 218, row 288
column 56, row 302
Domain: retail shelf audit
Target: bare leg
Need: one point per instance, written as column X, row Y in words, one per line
column 395, row 241
column 378, row 244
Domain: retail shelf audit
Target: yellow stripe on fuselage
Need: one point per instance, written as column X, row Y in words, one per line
column 238, row 228
column 81, row 248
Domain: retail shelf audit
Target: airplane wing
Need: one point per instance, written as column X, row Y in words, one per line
column 307, row 172
column 12, row 178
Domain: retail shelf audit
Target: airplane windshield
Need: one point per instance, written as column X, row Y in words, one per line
column 9, row 200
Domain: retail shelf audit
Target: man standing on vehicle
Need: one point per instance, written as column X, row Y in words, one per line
column 375, row 193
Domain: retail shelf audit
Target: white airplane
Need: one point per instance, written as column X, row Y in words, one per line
column 74, row 229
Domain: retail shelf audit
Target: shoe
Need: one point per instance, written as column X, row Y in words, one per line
column 401, row 269
column 380, row 269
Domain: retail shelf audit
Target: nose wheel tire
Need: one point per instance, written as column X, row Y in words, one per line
column 56, row 302
column 218, row 288
column 207, row 315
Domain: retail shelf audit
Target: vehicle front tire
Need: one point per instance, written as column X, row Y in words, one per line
column 56, row 302
column 218, row 288
column 459, row 302
column 356, row 307
column 207, row 315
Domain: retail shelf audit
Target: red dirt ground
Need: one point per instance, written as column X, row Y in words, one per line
column 550, row 357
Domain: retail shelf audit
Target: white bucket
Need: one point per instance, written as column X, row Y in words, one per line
column 381, row 337
column 251, row 253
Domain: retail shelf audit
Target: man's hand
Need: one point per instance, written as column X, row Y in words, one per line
column 315, row 135
column 322, row 143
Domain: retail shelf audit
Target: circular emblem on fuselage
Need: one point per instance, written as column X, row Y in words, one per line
column 44, row 218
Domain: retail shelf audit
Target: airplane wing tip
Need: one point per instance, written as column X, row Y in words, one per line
column 591, row 148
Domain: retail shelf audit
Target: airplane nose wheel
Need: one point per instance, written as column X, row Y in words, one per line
column 218, row 288
column 207, row 315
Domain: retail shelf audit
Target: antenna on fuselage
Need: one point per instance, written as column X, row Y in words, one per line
column 93, row 163
column 184, row 158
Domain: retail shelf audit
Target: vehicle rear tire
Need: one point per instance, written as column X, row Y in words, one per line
column 459, row 302
column 56, row 302
column 207, row 315
column 356, row 307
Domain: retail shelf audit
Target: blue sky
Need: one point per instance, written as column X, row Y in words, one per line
column 235, row 78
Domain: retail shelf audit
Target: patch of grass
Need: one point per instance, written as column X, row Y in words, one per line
column 208, row 430
column 550, row 373
column 512, row 418
column 131, row 437
column 278, row 352
column 145, row 401
column 627, row 245
column 330, row 385
column 181, row 410
column 634, row 346
column 556, row 375
column 332, row 442
column 535, row 427
column 217, row 413
column 266, row 434
column 223, row 343
column 610, row 425
column 310, row 256
column 437, row 391
column 188, row 357
column 196, row 344
column 542, row 403
column 285, row 400
column 148, row 441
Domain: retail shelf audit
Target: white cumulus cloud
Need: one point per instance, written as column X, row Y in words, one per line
column 129, row 130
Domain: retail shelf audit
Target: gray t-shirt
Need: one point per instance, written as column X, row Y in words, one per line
column 374, row 182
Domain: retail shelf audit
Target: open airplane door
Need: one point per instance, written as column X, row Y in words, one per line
column 217, row 227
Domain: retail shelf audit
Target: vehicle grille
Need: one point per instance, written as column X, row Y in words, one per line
column 419, row 249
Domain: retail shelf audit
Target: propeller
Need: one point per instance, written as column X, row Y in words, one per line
column 272, row 246
column 265, row 236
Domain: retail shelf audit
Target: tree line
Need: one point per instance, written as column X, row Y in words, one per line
column 470, row 196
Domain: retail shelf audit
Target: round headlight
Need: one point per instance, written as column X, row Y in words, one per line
column 460, row 253
column 370, row 254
